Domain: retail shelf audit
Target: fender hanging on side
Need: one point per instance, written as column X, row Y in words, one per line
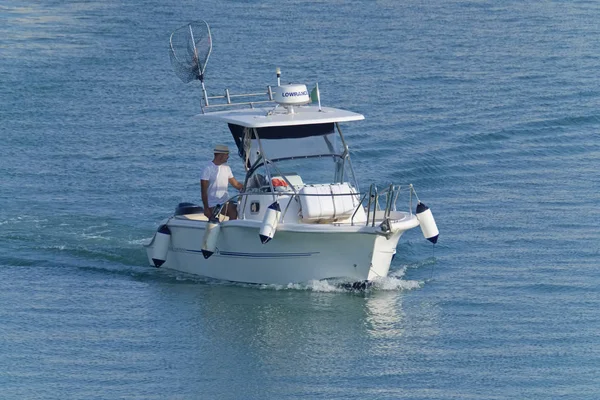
column 211, row 234
column 428, row 226
column 162, row 239
column 270, row 221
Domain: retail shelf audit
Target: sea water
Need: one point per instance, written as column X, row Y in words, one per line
column 491, row 109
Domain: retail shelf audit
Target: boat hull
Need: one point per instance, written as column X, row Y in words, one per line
column 297, row 253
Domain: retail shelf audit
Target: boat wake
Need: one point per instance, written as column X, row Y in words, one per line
column 389, row 283
column 393, row 282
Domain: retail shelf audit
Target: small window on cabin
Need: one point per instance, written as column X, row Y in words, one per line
column 254, row 207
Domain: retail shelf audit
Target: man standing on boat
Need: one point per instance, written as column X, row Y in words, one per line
column 215, row 180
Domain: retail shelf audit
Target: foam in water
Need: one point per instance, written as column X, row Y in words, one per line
column 393, row 282
column 140, row 242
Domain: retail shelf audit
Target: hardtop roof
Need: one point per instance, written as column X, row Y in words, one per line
column 269, row 117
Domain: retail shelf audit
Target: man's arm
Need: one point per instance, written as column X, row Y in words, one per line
column 235, row 183
column 204, row 189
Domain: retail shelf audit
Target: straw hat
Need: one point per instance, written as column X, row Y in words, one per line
column 221, row 149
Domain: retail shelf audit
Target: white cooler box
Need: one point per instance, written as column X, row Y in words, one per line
column 327, row 206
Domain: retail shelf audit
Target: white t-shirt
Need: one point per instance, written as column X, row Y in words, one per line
column 218, row 177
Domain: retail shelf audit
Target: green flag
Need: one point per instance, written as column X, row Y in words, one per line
column 315, row 95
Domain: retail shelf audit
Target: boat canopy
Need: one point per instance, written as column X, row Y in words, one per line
column 277, row 134
column 280, row 116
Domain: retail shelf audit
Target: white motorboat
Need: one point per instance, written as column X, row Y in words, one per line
column 288, row 230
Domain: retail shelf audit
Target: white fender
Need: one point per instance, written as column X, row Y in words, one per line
column 270, row 221
column 211, row 234
column 428, row 226
column 162, row 239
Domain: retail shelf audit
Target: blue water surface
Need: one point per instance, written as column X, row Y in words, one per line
column 491, row 109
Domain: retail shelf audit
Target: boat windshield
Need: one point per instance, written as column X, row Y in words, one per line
column 320, row 169
column 295, row 148
column 281, row 143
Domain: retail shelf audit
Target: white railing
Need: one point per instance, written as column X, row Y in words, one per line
column 373, row 205
column 231, row 100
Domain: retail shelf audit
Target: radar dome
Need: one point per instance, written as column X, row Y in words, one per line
column 292, row 95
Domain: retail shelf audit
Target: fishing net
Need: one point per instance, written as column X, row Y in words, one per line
column 190, row 47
